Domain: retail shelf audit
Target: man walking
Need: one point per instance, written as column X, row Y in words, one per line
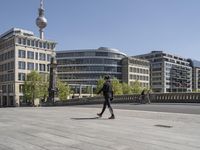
column 108, row 95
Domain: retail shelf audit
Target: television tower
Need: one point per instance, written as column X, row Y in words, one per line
column 41, row 21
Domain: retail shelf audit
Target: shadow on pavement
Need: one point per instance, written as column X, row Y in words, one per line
column 92, row 118
column 137, row 103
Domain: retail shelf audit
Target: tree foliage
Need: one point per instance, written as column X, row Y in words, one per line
column 136, row 87
column 121, row 88
column 117, row 87
column 32, row 86
column 44, row 90
column 126, row 88
column 63, row 90
column 99, row 85
column 89, row 90
column 36, row 86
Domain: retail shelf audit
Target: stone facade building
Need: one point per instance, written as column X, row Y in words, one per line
column 21, row 52
column 136, row 69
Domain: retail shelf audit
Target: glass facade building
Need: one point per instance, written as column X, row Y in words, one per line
column 85, row 67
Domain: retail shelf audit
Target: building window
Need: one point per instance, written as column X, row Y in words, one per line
column 44, row 45
column 42, row 67
column 36, row 66
column 12, row 54
column 4, row 88
column 36, row 55
column 21, row 76
column 22, row 65
column 28, row 42
column 10, row 88
column 32, row 43
column 101, row 54
column 42, row 56
column 12, row 65
column 8, row 77
column 40, row 43
column 19, row 41
column 21, row 88
column 48, row 67
column 48, row 57
column 30, row 66
column 24, row 41
column 4, row 67
column 22, row 54
column 30, row 55
column 12, row 76
column 36, row 43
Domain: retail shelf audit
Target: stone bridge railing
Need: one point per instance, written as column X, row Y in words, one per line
column 134, row 98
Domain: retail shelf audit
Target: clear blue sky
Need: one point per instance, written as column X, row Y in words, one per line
column 132, row 26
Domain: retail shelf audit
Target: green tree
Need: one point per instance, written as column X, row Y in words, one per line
column 196, row 91
column 99, row 84
column 126, row 88
column 136, row 87
column 32, row 86
column 44, row 90
column 117, row 87
column 89, row 90
column 63, row 90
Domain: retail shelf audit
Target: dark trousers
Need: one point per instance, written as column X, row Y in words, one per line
column 107, row 103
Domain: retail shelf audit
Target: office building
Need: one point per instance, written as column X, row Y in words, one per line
column 85, row 67
column 134, row 69
column 169, row 73
column 195, row 74
column 20, row 53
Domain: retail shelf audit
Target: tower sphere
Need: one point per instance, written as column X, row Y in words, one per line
column 41, row 22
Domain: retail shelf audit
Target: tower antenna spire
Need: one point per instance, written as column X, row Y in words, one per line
column 41, row 21
column 41, row 3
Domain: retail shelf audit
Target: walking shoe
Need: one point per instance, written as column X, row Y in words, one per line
column 100, row 115
column 112, row 117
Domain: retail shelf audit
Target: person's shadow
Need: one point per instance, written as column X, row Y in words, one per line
column 91, row 118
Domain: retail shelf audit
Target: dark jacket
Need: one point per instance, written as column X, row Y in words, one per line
column 107, row 90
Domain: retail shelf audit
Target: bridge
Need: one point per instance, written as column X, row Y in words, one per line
column 134, row 98
column 77, row 127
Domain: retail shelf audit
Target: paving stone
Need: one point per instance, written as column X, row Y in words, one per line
column 76, row 128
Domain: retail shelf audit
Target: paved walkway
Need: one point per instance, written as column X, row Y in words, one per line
column 184, row 108
column 73, row 128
